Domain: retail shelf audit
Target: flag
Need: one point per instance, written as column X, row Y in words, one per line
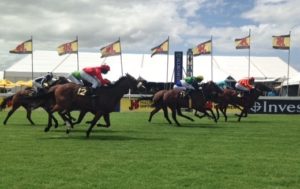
column 68, row 48
column 203, row 48
column 281, row 42
column 111, row 49
column 23, row 48
column 163, row 48
column 242, row 43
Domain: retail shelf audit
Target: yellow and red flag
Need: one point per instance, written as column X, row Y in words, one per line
column 23, row 48
column 202, row 48
column 68, row 48
column 111, row 49
column 281, row 42
column 163, row 48
column 242, row 43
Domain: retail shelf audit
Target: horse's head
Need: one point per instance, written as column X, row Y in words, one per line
column 130, row 82
column 211, row 89
column 259, row 89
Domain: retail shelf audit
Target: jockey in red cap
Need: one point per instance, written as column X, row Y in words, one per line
column 94, row 75
column 245, row 84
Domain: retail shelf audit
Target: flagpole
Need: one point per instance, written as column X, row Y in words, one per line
column 288, row 70
column 31, row 58
column 121, row 56
column 168, row 63
column 211, row 59
column 77, row 53
column 249, row 53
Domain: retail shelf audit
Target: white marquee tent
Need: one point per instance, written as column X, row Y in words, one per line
column 152, row 69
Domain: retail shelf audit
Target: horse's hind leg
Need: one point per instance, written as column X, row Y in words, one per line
column 80, row 117
column 180, row 114
column 165, row 109
column 156, row 109
column 14, row 108
column 28, row 115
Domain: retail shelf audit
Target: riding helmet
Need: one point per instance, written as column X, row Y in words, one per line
column 199, row 78
column 105, row 68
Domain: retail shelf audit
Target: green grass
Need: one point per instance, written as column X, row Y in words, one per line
column 260, row 152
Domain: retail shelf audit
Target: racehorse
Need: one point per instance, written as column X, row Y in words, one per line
column 173, row 99
column 243, row 103
column 70, row 96
column 23, row 98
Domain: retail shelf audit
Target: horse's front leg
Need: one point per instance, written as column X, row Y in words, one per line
column 241, row 114
column 93, row 123
column 212, row 114
column 107, row 121
column 80, row 117
column 173, row 109
column 182, row 115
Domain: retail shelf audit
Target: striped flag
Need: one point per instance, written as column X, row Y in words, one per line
column 163, row 48
column 202, row 48
column 281, row 42
column 23, row 48
column 111, row 49
column 68, row 48
column 242, row 43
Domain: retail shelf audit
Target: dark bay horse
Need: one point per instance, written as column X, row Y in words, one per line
column 172, row 99
column 23, row 98
column 244, row 103
column 69, row 97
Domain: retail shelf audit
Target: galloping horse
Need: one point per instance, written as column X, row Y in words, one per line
column 69, row 97
column 172, row 99
column 23, row 98
column 244, row 103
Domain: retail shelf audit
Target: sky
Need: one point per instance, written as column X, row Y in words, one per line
column 143, row 24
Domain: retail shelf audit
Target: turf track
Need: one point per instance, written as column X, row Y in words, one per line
column 263, row 151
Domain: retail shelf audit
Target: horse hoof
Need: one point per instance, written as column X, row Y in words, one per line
column 46, row 129
column 67, row 131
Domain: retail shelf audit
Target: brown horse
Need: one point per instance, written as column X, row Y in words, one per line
column 23, row 98
column 244, row 103
column 173, row 99
column 69, row 97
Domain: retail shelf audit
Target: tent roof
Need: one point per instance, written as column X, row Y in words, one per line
column 154, row 69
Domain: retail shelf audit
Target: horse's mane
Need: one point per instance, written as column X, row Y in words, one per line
column 262, row 87
column 117, row 82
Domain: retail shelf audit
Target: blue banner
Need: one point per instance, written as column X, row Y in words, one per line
column 178, row 55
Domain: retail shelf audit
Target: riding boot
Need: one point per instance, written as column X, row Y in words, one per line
column 187, row 93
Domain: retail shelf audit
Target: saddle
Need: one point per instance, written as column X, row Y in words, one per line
column 85, row 91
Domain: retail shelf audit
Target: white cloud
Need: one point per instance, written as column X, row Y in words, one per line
column 140, row 24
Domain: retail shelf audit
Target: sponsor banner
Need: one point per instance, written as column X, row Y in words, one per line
column 276, row 106
column 134, row 104
column 178, row 66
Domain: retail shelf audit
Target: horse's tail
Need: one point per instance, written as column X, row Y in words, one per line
column 6, row 102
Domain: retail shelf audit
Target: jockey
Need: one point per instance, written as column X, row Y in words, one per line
column 75, row 77
column 190, row 83
column 245, row 85
column 223, row 84
column 93, row 75
column 41, row 83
